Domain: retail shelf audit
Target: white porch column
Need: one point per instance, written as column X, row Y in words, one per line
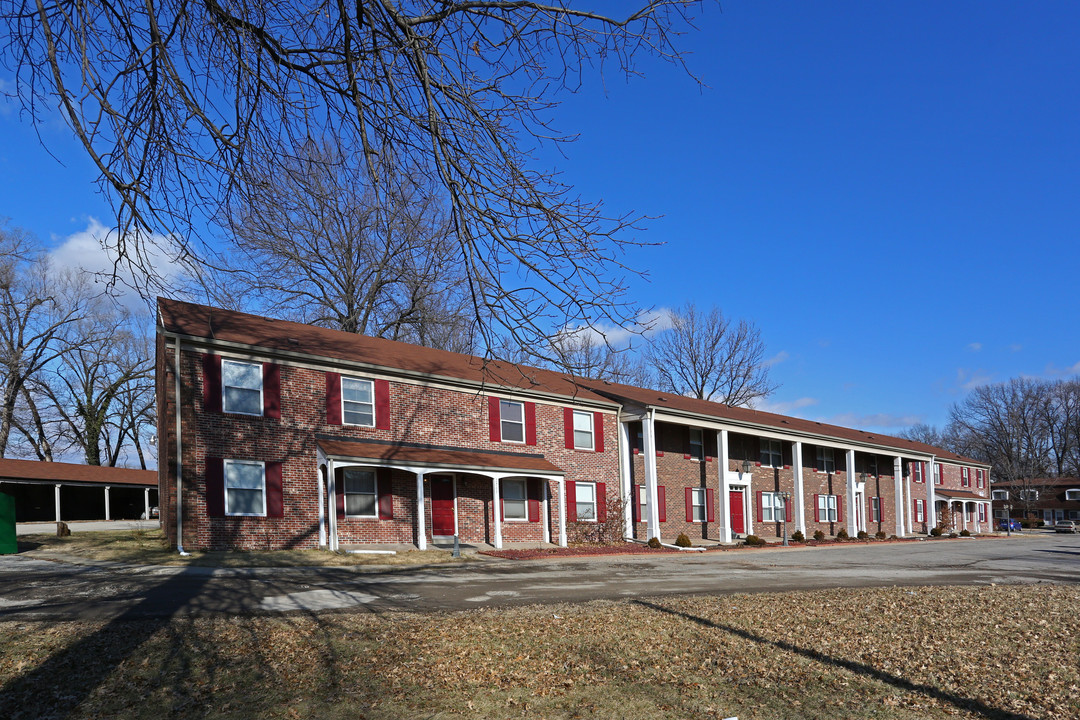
column 57, row 502
column 321, row 480
column 545, row 509
column 852, row 517
column 724, row 504
column 331, row 498
column 648, row 432
column 909, row 501
column 800, row 506
column 146, row 502
column 108, row 513
column 931, row 504
column 562, row 513
column 421, row 513
column 898, row 493
column 964, row 513
column 497, row 525
column 625, row 486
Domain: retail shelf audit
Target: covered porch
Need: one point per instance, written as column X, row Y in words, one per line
column 964, row 510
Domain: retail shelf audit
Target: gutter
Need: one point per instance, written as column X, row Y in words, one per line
column 179, row 453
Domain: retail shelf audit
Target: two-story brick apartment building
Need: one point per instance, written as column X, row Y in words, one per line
column 290, row 435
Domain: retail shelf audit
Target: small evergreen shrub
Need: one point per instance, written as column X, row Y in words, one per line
column 862, row 535
column 893, row 537
column 953, row 535
column 797, row 536
column 754, row 541
column 936, row 532
column 654, row 543
column 683, row 541
column 841, row 534
column 880, row 535
column 819, row 535
column 965, row 533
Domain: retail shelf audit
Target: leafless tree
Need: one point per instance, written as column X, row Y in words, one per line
column 924, row 433
column 588, row 353
column 180, row 105
column 708, row 356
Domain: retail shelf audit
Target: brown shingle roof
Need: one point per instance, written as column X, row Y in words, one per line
column 70, row 472
column 432, row 456
column 201, row 321
column 680, row 403
column 959, row 494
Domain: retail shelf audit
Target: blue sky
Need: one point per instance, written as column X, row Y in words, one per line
column 891, row 192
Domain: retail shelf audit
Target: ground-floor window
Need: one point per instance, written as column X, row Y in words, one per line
column 826, row 508
column 982, row 513
column 586, row 501
column 245, row 488
column 361, row 493
column 697, row 504
column 772, row 507
column 643, row 503
column 514, row 500
column 920, row 511
column 875, row 509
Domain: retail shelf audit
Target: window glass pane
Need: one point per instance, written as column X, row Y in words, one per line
column 586, row 501
column 358, row 415
column 697, row 500
column 583, row 430
column 356, row 390
column 512, row 489
column 241, row 375
column 359, row 504
column 514, row 509
column 244, row 475
column 238, row 400
column 513, row 432
column 245, row 502
column 510, row 411
column 513, row 425
column 359, row 481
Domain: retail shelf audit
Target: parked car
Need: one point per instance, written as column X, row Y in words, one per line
column 1013, row 525
column 1065, row 526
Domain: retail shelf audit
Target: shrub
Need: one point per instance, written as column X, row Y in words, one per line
column 880, row 535
column 893, row 537
column 609, row 532
column 654, row 543
column 861, row 535
column 936, row 532
column 797, row 536
column 841, row 534
column 683, row 541
column 965, row 533
column 953, row 535
column 819, row 535
column 754, row 541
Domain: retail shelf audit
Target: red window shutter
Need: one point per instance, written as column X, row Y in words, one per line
column 839, row 508
column 571, row 501
column 601, row 502
column 915, row 510
column 532, row 491
column 530, row 423
column 215, row 486
column 339, row 491
column 212, row 384
column 271, row 390
column 494, row 427
column 817, row 509
column 635, row 502
column 386, row 493
column 568, row 428
column 598, row 431
column 382, row 404
column 275, row 497
column 710, row 505
column 760, row 513
column 689, row 493
column 787, row 511
column 661, row 501
column 333, row 398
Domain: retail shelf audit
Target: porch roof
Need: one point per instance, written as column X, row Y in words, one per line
column 438, row 457
column 960, row 495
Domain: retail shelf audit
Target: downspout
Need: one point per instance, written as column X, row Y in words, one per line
column 179, row 454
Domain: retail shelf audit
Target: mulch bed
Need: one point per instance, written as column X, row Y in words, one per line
column 577, row 551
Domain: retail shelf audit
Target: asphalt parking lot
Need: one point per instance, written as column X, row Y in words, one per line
column 36, row 588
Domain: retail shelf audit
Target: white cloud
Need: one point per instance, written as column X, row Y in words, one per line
column 777, row 358
column 974, row 347
column 94, row 250
column 784, row 407
column 1054, row 371
column 648, row 323
column 971, row 379
column 874, row 420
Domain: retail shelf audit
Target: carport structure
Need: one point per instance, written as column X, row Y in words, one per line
column 45, row 491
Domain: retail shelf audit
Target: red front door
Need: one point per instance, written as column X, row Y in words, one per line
column 442, row 505
column 735, row 498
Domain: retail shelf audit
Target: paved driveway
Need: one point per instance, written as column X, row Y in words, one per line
column 32, row 588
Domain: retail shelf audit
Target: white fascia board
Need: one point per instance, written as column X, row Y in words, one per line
column 352, row 461
column 243, row 351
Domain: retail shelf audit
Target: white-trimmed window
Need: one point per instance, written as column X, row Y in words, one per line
column 697, row 504
column 825, row 461
column 982, row 512
column 1029, row 494
column 697, row 444
column 241, row 387
column 875, row 509
column 937, row 473
column 514, row 501
column 583, row 430
column 980, row 478
column 916, row 473
column 586, row 501
column 512, row 421
column 1072, row 494
column 772, row 507
column 965, row 477
column 358, row 402
column 361, row 492
column 826, row 508
column 245, row 487
column 920, row 511
column 772, row 453
column 999, row 494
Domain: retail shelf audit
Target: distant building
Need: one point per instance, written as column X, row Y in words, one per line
column 1046, row 499
column 54, row 491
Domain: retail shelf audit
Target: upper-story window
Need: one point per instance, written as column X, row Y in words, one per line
column 825, row 461
column 772, row 454
column 937, row 473
column 1072, row 494
column 917, row 473
column 241, row 387
column 1029, row 494
column 1001, row 494
column 697, row 444
column 512, row 421
column 965, row 477
column 584, row 438
column 980, row 479
column 358, row 402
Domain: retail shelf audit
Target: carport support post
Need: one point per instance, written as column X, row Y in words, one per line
column 898, row 493
column 146, row 503
column 108, row 516
column 724, row 506
column 57, row 502
column 852, row 517
column 495, row 508
column 421, row 513
column 800, row 506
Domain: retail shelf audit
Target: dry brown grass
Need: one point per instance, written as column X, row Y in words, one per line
column 1004, row 653
column 148, row 547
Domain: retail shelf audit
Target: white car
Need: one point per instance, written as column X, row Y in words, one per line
column 1065, row 526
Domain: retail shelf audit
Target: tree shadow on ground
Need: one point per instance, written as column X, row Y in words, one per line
column 957, row 701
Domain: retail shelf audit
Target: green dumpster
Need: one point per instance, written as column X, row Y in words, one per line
column 8, row 544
